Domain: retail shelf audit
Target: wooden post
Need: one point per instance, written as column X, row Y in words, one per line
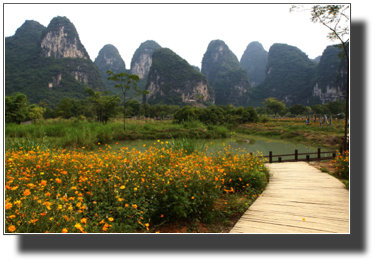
column 341, row 150
column 319, row 153
column 296, row 155
column 307, row 158
column 279, row 159
column 334, row 155
column 270, row 156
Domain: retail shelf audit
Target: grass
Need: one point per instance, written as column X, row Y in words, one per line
column 296, row 130
column 78, row 134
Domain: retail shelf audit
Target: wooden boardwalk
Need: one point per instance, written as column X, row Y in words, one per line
column 298, row 191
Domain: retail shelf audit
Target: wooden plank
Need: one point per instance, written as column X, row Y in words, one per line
column 297, row 191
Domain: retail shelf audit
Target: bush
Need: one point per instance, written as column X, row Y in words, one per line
column 264, row 119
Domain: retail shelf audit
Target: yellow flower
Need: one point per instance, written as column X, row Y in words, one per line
column 135, row 206
column 122, row 187
column 111, row 219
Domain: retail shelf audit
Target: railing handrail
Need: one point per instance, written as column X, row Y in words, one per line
column 303, row 154
column 296, row 154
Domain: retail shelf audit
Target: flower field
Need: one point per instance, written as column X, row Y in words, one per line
column 124, row 191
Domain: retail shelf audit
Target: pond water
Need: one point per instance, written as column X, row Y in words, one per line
column 254, row 145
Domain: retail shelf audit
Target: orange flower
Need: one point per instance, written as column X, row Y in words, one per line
column 11, row 228
column 8, row 205
column 43, row 182
column 58, row 180
column 27, row 192
column 192, row 198
column 84, row 220
column 64, row 230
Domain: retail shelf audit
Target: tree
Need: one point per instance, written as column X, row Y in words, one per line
column 64, row 108
column 35, row 112
column 332, row 17
column 297, row 109
column 274, row 105
column 134, row 105
column 253, row 114
column 16, row 108
column 124, row 82
column 103, row 107
column 146, row 108
column 336, row 107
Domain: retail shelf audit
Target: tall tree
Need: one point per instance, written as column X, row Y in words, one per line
column 336, row 19
column 16, row 108
column 125, row 82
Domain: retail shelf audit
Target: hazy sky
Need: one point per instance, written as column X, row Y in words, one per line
column 186, row 29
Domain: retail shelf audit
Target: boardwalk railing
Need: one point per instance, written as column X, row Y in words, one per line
column 308, row 158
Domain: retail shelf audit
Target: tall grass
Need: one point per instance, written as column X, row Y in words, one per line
column 186, row 144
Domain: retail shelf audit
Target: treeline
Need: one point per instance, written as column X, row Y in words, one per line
column 275, row 107
column 97, row 106
column 102, row 107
